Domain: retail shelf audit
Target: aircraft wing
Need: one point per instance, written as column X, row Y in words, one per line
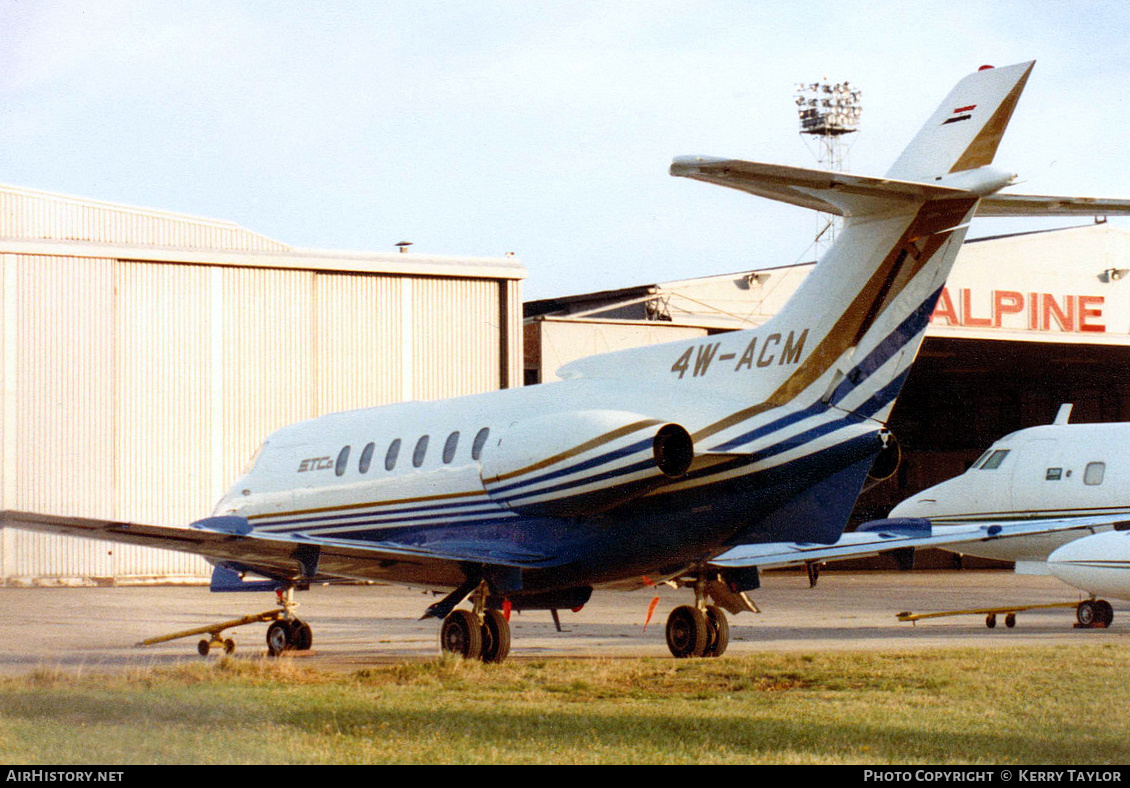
column 881, row 536
column 230, row 541
column 1004, row 205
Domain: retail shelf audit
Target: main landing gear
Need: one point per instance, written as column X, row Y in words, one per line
column 697, row 632
column 480, row 633
column 701, row 629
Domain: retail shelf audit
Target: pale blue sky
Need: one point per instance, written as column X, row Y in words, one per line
column 541, row 128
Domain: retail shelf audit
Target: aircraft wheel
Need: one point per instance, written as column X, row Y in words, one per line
column 496, row 637
column 1010, row 620
column 278, row 638
column 1086, row 614
column 462, row 634
column 1104, row 613
column 991, row 620
column 300, row 636
column 718, row 632
column 686, row 631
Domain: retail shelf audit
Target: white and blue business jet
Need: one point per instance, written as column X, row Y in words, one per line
column 639, row 466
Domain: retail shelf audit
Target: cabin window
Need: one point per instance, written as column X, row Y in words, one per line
column 480, row 441
column 342, row 459
column 1094, row 473
column 420, row 452
column 449, row 447
column 1053, row 474
column 995, row 460
column 391, row 454
column 366, row 457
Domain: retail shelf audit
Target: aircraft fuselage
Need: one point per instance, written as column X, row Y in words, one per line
column 566, row 470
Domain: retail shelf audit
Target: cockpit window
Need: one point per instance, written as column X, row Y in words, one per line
column 480, row 441
column 1094, row 472
column 420, row 451
column 391, row 454
column 981, row 459
column 449, row 447
column 366, row 457
column 995, row 460
column 342, row 459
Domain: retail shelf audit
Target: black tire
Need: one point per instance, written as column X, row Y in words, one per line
column 1010, row 620
column 496, row 637
column 1086, row 613
column 686, row 632
column 991, row 620
column 203, row 647
column 278, row 638
column 229, row 646
column 717, row 631
column 462, row 634
column 301, row 636
column 1105, row 613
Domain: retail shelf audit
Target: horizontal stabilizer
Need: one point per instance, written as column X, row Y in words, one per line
column 820, row 190
column 1004, row 205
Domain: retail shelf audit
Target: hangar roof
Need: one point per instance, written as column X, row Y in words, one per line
column 35, row 222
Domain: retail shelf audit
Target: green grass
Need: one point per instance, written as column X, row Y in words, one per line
column 1028, row 706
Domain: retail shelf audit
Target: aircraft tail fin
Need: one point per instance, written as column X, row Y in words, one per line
column 846, row 338
column 966, row 128
column 863, row 310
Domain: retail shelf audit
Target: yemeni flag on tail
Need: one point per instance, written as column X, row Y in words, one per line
column 960, row 114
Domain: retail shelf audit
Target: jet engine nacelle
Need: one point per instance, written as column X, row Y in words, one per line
column 583, row 462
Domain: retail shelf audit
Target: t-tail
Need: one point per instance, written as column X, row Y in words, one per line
column 866, row 304
column 845, row 340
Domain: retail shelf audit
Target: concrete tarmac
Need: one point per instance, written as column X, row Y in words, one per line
column 97, row 629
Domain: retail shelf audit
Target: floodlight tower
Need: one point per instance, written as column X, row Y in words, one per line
column 828, row 112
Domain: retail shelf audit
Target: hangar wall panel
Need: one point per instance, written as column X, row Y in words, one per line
column 63, row 422
column 263, row 379
column 465, row 361
column 163, row 406
column 359, row 336
column 514, row 336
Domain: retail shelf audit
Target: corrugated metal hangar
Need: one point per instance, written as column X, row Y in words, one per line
column 1026, row 322
column 147, row 354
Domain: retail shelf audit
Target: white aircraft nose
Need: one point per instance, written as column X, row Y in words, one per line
column 1098, row 564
